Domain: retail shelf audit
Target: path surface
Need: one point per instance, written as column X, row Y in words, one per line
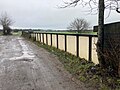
column 24, row 66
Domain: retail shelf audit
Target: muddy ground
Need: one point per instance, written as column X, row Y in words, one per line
column 25, row 66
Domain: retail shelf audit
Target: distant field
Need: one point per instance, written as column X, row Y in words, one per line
column 88, row 32
column 95, row 33
column 13, row 33
column 17, row 33
column 63, row 31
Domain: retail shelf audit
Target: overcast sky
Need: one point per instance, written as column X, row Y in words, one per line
column 46, row 15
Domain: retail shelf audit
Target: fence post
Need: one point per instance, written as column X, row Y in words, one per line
column 65, row 43
column 34, row 36
column 40, row 37
column 46, row 39
column 57, row 40
column 90, row 49
column 37, row 36
column 77, row 45
column 51, row 38
column 43, row 37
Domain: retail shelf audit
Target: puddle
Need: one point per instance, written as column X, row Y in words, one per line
column 27, row 54
column 24, row 59
column 20, row 38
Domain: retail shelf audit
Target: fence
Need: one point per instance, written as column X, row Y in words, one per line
column 81, row 45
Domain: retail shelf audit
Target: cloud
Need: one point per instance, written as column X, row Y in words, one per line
column 45, row 14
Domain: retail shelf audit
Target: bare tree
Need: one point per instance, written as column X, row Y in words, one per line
column 78, row 24
column 6, row 21
column 100, row 6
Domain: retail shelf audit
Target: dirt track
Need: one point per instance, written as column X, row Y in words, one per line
column 24, row 66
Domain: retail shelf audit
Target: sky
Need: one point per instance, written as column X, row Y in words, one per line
column 45, row 14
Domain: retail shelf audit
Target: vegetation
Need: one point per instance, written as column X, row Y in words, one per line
column 84, row 32
column 69, row 32
column 100, row 6
column 17, row 33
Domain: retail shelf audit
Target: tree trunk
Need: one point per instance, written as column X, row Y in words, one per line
column 111, row 62
column 100, row 43
column 119, row 70
column 4, row 30
column 8, row 31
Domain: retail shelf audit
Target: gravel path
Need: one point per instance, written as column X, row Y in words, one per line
column 25, row 66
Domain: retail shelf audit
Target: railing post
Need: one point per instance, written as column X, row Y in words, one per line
column 90, row 49
column 43, row 37
column 77, row 45
column 40, row 37
column 46, row 39
column 57, row 40
column 34, row 36
column 65, row 43
column 51, row 38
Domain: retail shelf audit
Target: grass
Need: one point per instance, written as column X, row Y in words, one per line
column 1, row 33
column 72, row 32
column 17, row 33
column 85, row 71
column 13, row 33
column 92, row 33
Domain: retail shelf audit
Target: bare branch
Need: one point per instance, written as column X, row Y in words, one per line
column 5, row 20
column 78, row 24
column 93, row 4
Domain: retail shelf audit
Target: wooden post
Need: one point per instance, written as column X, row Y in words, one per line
column 51, row 38
column 34, row 36
column 40, row 37
column 90, row 49
column 65, row 43
column 77, row 45
column 46, row 39
column 43, row 37
column 57, row 40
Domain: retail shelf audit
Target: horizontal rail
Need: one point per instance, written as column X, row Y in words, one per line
column 86, row 35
